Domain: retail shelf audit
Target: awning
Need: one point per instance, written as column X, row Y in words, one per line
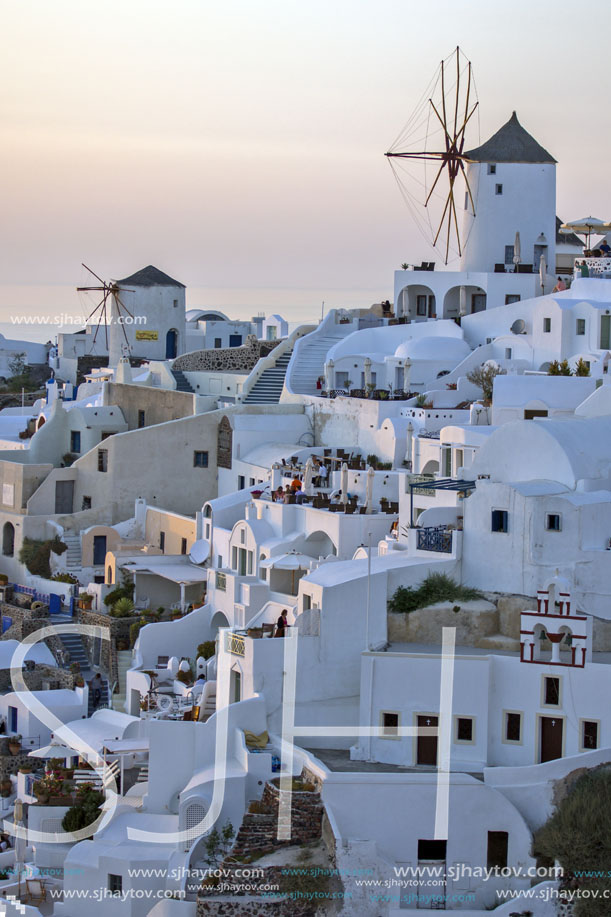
column 176, row 573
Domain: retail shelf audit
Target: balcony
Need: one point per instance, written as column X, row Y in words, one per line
column 437, row 538
column 234, row 644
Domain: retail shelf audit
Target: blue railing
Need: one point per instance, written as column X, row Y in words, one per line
column 436, row 538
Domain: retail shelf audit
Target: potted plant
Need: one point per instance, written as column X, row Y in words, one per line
column 14, row 744
column 85, row 601
column 25, row 769
column 3, row 579
column 6, row 787
column 79, row 681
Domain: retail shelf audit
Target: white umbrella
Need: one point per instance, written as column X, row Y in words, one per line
column 308, row 476
column 367, row 365
column 517, row 249
column 20, row 842
column 407, row 365
column 329, row 367
column 344, row 483
column 542, row 272
column 293, row 560
column 369, row 490
column 53, row 751
column 409, row 439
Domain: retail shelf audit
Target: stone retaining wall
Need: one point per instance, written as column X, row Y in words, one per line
column 226, row 359
column 119, row 634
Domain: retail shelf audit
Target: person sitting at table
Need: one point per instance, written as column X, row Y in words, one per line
column 296, row 483
column 301, row 497
column 605, row 248
column 279, row 495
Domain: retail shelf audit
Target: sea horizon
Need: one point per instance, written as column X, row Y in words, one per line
column 41, row 312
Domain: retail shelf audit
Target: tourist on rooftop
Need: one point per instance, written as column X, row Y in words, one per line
column 279, row 495
column 605, row 248
column 296, row 483
column 282, row 624
column 560, row 286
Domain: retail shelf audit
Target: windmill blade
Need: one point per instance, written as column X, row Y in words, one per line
column 417, row 155
column 89, row 289
column 102, row 307
column 457, row 90
column 461, row 132
column 464, row 172
column 441, row 168
column 94, row 274
column 99, row 305
column 122, row 304
column 453, row 206
column 443, row 101
column 448, row 139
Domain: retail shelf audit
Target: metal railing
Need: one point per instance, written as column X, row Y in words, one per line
column 235, row 644
column 436, row 538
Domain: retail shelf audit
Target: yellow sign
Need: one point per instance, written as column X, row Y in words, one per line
column 147, row 335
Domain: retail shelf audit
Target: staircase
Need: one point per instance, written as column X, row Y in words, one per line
column 209, row 701
column 182, row 383
column 311, row 354
column 124, row 662
column 268, row 387
column 74, row 557
column 104, row 698
column 75, row 646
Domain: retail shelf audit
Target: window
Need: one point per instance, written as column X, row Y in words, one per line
column 200, row 459
column 249, row 568
column 421, row 305
column 553, row 522
column 242, row 536
column 251, row 482
column 509, row 252
column 307, row 601
column 102, row 459
column 220, row 581
column 176, row 304
column 86, row 504
column 498, row 842
column 580, row 326
column 508, row 352
column 464, row 731
column 241, row 482
column 547, row 325
column 466, row 200
column 589, row 735
column 162, row 541
column 500, row 519
column 75, row 441
column 513, row 727
column 491, row 168
column 511, row 297
column 498, row 189
column 432, row 850
column 390, row 725
column 234, row 558
column 183, row 545
column 115, row 884
column 218, row 343
column 141, row 419
column 551, row 692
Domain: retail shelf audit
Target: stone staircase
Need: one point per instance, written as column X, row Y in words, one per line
column 104, row 698
column 73, row 643
column 311, row 355
column 124, row 662
column 74, row 557
column 268, row 387
column 182, row 383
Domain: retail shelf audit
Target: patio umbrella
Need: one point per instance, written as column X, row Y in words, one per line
column 20, row 842
column 344, row 483
column 542, row 272
column 517, row 249
column 367, row 366
column 409, row 438
column 586, row 226
column 369, row 489
column 308, row 476
column 292, row 561
column 407, row 365
column 53, row 751
column 329, row 367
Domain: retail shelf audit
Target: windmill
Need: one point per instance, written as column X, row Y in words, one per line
column 118, row 309
column 435, row 135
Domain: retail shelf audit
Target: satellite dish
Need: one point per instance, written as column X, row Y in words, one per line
column 518, row 326
column 200, row 551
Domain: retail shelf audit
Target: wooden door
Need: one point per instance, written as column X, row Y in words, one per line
column 551, row 738
column 426, row 746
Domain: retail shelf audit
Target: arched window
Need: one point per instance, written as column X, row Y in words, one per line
column 109, row 574
column 8, row 539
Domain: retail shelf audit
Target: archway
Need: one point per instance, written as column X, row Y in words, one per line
column 463, row 300
column 8, row 539
column 318, row 544
column 109, row 575
column 218, row 620
column 431, row 467
column 171, row 344
column 418, row 302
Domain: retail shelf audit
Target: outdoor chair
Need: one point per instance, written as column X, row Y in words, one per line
column 35, row 891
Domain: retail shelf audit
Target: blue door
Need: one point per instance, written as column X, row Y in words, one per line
column 99, row 550
column 171, row 344
column 12, row 719
column 55, row 604
column 235, row 340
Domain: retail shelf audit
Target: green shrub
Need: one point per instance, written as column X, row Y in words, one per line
column 206, row 649
column 65, row 578
column 578, row 835
column 85, row 811
column 185, row 677
column 134, row 630
column 437, row 587
column 122, row 608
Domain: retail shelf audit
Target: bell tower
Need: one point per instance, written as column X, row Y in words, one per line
column 557, row 624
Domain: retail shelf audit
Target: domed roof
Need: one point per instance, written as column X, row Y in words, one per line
column 434, row 348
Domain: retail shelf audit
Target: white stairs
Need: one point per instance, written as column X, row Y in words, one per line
column 208, row 701
column 74, row 557
column 310, row 355
column 268, row 387
column 124, row 662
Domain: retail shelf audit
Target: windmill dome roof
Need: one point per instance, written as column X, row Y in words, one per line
column 511, row 143
column 150, row 276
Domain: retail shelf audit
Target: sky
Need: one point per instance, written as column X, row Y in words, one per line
column 238, row 146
